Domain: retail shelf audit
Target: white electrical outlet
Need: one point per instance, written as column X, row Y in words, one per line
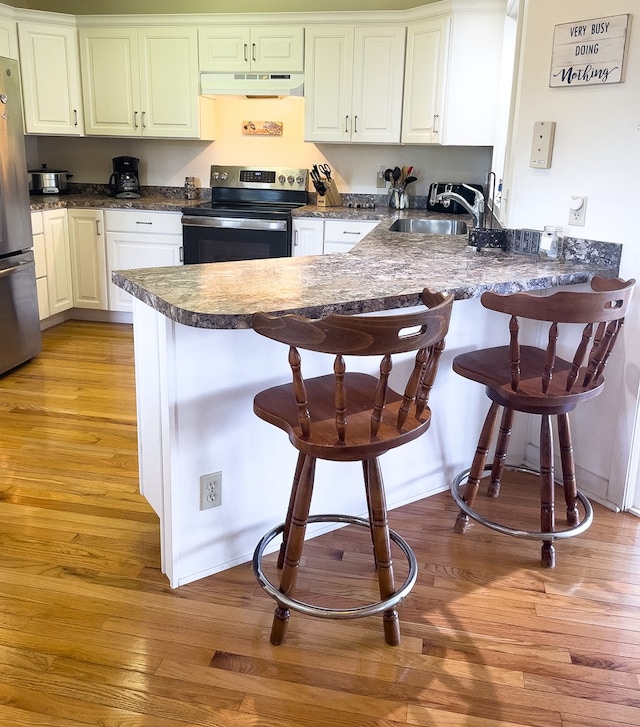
column 210, row 490
column 381, row 182
column 577, row 210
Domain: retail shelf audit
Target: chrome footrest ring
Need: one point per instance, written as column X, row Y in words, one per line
column 531, row 534
column 337, row 613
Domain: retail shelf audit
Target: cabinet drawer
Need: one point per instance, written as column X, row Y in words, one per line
column 347, row 231
column 143, row 221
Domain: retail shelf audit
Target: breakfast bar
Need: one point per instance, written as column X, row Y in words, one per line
column 199, row 365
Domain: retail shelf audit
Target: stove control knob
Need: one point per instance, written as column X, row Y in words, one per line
column 300, row 180
column 224, row 176
column 216, row 175
column 291, row 180
column 281, row 179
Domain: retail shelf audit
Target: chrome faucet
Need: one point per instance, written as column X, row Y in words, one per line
column 476, row 210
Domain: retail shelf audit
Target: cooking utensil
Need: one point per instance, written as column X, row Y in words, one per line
column 396, row 175
column 326, row 170
column 48, row 181
column 387, row 175
column 410, row 180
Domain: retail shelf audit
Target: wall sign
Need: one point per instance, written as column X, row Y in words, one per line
column 589, row 52
column 262, row 128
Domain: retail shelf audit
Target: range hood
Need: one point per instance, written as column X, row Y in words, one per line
column 251, row 84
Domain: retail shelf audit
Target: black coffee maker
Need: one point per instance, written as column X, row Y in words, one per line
column 124, row 182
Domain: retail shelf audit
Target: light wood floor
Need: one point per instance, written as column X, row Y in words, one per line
column 91, row 634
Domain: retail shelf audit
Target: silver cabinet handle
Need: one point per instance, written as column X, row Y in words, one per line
column 75, row 117
column 181, row 254
column 355, row 124
column 246, row 53
column 295, row 239
column 143, row 124
column 346, row 124
column 135, row 119
column 98, row 232
column 435, row 123
column 351, row 232
column 253, row 51
column 140, row 222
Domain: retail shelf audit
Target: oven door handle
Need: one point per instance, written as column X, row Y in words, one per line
column 236, row 223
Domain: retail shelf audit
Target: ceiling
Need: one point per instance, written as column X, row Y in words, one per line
column 128, row 7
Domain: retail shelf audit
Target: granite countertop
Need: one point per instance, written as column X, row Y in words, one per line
column 385, row 270
column 90, row 200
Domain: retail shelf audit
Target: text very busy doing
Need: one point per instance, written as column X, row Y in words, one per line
column 589, row 52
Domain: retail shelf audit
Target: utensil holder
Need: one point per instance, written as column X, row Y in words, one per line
column 332, row 197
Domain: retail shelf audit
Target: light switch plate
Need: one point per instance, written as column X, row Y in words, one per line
column 542, row 144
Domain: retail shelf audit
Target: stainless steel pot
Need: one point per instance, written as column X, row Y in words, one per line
column 48, row 181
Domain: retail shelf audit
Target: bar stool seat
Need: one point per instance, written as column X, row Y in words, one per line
column 349, row 416
column 519, row 378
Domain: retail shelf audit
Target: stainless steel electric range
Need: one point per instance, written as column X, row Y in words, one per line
column 248, row 217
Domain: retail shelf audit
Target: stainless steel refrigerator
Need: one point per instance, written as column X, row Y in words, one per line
column 20, row 337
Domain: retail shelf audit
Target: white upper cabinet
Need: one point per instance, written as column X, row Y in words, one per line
column 427, row 46
column 50, row 79
column 143, row 82
column 353, row 83
column 453, row 69
column 8, row 38
column 270, row 49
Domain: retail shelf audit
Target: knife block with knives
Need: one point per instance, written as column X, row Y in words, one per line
column 331, row 197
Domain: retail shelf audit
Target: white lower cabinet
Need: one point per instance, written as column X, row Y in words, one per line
column 88, row 259
column 308, row 236
column 140, row 239
column 342, row 235
column 58, row 260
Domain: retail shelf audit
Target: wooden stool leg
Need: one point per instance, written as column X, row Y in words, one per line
column 292, row 499
column 500, row 456
column 568, row 469
column 293, row 550
column 382, row 547
column 365, row 473
column 477, row 466
column 547, row 507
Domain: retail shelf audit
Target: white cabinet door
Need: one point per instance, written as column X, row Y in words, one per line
column 58, row 260
column 308, row 236
column 342, row 235
column 8, row 38
column 110, row 81
column 169, row 82
column 88, row 259
column 378, row 69
column 353, row 83
column 143, row 82
column 271, row 49
column 427, row 48
column 50, row 79
column 328, row 83
column 277, row 49
column 139, row 239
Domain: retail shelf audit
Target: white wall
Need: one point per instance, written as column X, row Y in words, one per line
column 597, row 154
column 168, row 162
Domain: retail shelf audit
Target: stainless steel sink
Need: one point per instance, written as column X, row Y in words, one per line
column 426, row 226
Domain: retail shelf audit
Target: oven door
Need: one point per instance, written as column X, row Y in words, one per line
column 224, row 239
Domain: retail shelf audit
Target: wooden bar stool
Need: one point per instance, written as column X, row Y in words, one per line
column 538, row 381
column 349, row 416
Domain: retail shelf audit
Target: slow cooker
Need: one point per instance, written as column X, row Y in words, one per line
column 48, row 181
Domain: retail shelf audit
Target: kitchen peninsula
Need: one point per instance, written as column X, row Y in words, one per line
column 198, row 366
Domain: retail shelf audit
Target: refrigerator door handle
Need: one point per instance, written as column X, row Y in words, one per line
column 4, row 273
